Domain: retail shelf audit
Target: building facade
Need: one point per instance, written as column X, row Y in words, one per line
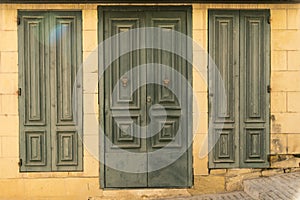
column 62, row 136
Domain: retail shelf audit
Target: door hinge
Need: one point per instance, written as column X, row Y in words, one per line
column 269, row 19
column 18, row 20
column 269, row 89
column 19, row 91
column 20, row 162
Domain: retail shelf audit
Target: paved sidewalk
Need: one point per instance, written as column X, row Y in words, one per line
column 280, row 187
column 283, row 186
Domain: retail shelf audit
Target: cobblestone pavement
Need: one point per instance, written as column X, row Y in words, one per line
column 280, row 187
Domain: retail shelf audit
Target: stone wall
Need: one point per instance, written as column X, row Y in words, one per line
column 285, row 111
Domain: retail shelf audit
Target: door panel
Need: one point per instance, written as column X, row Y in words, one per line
column 171, row 140
column 65, row 37
column 223, row 48
column 255, row 100
column 128, row 112
column 33, row 61
column 125, row 111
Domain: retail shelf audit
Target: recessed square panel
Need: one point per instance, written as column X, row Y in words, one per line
column 126, row 132
column 35, row 148
column 167, row 134
column 224, row 147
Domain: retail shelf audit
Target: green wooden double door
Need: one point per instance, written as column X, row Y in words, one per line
column 147, row 129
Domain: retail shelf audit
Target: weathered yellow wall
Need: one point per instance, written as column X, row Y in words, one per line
column 285, row 107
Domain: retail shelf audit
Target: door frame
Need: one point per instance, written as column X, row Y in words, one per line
column 101, row 82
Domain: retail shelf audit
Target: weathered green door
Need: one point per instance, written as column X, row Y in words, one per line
column 239, row 43
column 134, row 156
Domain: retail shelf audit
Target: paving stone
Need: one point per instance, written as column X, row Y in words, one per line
column 225, row 196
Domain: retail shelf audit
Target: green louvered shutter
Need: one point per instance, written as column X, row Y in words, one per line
column 50, row 116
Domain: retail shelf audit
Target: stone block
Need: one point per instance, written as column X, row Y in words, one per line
column 237, row 172
column 286, row 123
column 201, row 99
column 285, row 81
column 8, row 19
column 295, row 169
column 137, row 194
column 12, row 189
column 200, row 37
column 272, row 172
column 10, row 147
column 9, row 167
column 8, row 62
column 90, row 123
column 288, row 162
column 90, row 102
column 91, row 144
column 90, row 39
column 278, row 19
column 199, row 83
column 293, row 18
column 84, row 187
column 293, row 143
column 90, row 83
column 236, row 182
column 90, row 62
column 208, row 184
column 8, row 83
column 217, row 172
column 278, row 143
column 1, row 112
column 285, row 40
column 91, row 166
column 9, row 105
column 293, row 60
column 200, row 19
column 38, row 175
column 278, row 102
column 46, row 187
column 90, row 19
column 293, row 99
column 278, row 60
column 200, row 122
column 9, row 125
column 9, row 41
column 200, row 159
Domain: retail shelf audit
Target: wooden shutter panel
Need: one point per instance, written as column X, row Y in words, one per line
column 66, row 115
column 35, row 148
column 224, row 50
column 254, row 80
column 50, row 104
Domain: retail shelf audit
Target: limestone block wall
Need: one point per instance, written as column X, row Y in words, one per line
column 285, row 110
